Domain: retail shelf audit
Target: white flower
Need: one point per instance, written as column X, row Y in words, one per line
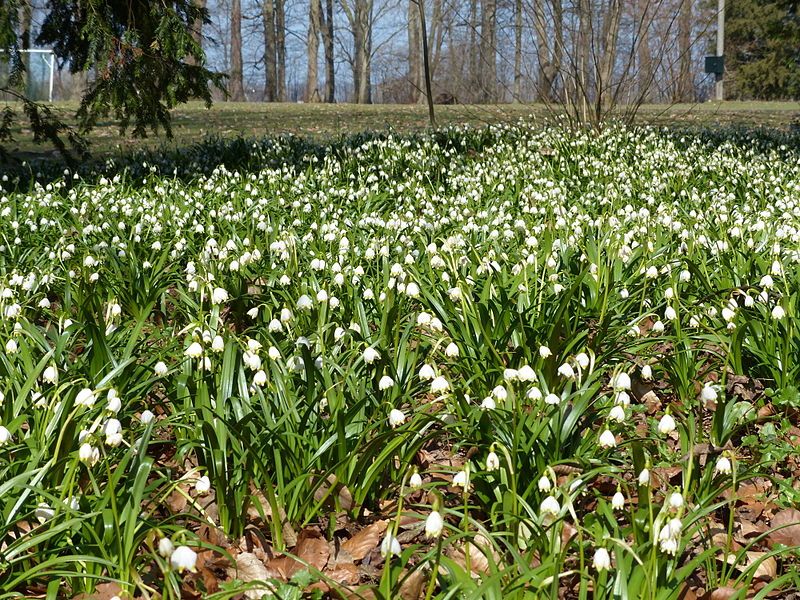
column 439, row 385
column 723, row 466
column 218, row 344
column 11, row 346
column 488, row 403
column 708, row 393
column 390, row 546
column 460, row 479
column 273, row 353
column 423, row 319
column 544, row 484
column 412, row 290
column 385, row 383
column 396, row 417
column 618, row 501
column 43, row 512
column 583, row 360
column 510, row 374
column 675, row 500
column 113, row 402
column 203, row 485
column 415, row 481
column 85, row 397
column 88, row 454
column 146, row 417
column 371, row 355
column 492, row 462
column 165, row 547
column 767, row 282
column 500, row 393
column 260, row 378
column 647, row 373
column 644, row 477
column 195, row 350
column 426, row 372
column 617, row 414
column 534, row 394
column 621, row 381
column 658, row 327
column 670, row 314
column 552, row 399
column 566, row 371
column 607, row 439
column 451, row 351
column 183, row 558
column 304, row 303
column 219, row 295
column 50, row 375
column 550, row 507
column 160, row 369
column 526, row 373
column 545, row 352
column 602, row 560
column 434, row 524
column 778, row 313
column 5, row 436
column 322, row 296
column 666, row 425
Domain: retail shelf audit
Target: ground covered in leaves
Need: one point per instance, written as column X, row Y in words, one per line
column 508, row 362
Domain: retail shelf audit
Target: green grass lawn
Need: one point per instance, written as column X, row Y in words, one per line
column 193, row 122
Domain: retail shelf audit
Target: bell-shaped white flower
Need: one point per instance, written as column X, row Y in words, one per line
column 602, row 560
column 434, row 524
column 396, row 417
column 183, row 558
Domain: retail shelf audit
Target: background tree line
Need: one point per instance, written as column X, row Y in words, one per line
column 137, row 59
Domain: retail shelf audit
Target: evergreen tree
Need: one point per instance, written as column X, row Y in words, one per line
column 762, row 49
column 142, row 56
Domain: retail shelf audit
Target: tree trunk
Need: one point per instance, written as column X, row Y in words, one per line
column 644, row 72
column 327, row 40
column 488, row 56
column 558, row 49
column 605, row 72
column 236, row 83
column 685, row 88
column 197, row 31
column 25, row 25
column 474, row 78
column 544, row 81
column 314, row 27
column 362, row 36
column 270, row 66
column 518, row 51
column 582, row 79
column 280, row 50
column 414, row 75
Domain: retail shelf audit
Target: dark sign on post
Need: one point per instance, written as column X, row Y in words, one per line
column 715, row 65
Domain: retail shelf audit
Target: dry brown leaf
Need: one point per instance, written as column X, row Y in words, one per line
column 412, row 584
column 311, row 550
column 259, row 500
column 103, row 591
column 767, row 566
column 785, row 528
column 723, row 593
column 250, row 568
column 343, row 573
column 330, row 486
column 362, row 543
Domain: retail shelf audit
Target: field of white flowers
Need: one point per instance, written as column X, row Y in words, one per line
column 506, row 363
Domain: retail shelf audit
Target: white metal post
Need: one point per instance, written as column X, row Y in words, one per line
column 52, row 75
